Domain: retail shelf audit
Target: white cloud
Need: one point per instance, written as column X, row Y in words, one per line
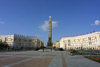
column 97, row 22
column 54, row 24
column 44, row 26
column 2, row 22
column 39, row 35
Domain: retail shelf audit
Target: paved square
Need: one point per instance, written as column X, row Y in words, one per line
column 44, row 59
column 25, row 59
column 35, row 62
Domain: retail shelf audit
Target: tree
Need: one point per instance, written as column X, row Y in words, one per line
column 3, row 45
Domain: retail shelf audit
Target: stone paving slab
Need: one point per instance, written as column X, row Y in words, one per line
column 56, row 62
column 35, row 62
column 28, row 59
column 63, row 61
column 4, row 57
column 10, row 61
column 80, row 61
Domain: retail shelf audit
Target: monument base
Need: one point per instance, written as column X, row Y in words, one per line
column 49, row 48
column 46, row 50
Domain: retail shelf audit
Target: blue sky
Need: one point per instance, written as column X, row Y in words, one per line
column 70, row 17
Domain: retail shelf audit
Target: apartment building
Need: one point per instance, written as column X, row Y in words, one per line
column 19, row 41
column 88, row 41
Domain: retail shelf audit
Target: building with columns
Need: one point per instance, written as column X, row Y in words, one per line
column 88, row 41
column 20, row 41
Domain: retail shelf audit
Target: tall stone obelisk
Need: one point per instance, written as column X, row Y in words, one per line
column 49, row 43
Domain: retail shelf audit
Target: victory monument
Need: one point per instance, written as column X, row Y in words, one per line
column 49, row 43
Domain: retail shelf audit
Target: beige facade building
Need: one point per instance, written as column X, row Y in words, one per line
column 18, row 41
column 88, row 41
column 56, row 45
column 41, row 44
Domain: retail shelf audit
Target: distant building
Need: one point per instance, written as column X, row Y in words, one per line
column 36, row 43
column 41, row 44
column 88, row 41
column 56, row 45
column 19, row 41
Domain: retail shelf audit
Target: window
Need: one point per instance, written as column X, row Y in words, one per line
column 0, row 40
column 96, row 39
column 89, row 38
column 78, row 40
column 6, row 39
column 69, row 42
column 83, row 39
column 30, row 40
column 74, row 40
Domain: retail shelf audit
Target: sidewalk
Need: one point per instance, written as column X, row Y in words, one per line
column 79, row 61
column 56, row 62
